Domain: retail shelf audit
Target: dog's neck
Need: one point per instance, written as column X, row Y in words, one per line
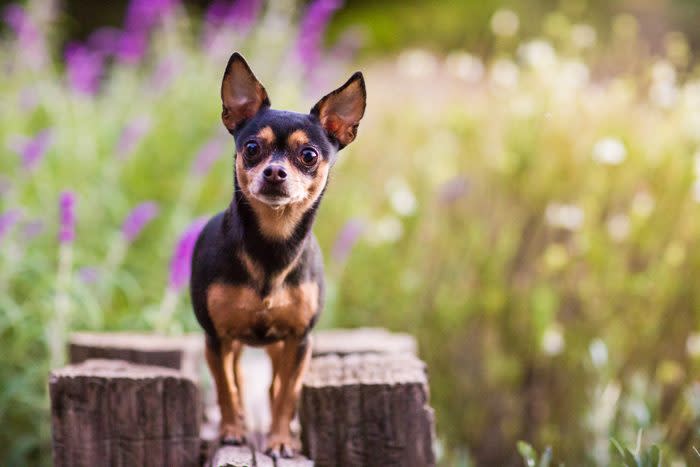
column 273, row 254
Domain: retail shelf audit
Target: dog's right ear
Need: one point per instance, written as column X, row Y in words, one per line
column 242, row 95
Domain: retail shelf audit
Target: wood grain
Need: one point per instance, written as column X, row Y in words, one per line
column 367, row 409
column 111, row 412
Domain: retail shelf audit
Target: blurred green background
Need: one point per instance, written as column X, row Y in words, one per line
column 523, row 197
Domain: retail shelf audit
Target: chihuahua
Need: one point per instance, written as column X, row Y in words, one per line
column 257, row 271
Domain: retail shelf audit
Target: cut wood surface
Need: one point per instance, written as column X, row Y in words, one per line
column 184, row 353
column 111, row 412
column 362, row 340
column 367, row 409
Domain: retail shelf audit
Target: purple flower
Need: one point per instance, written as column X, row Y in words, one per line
column 66, row 233
column 132, row 46
column 180, row 264
column 241, row 13
column 207, row 155
column 105, row 41
column 8, row 220
column 142, row 15
column 84, row 67
column 89, row 274
column 21, row 23
column 131, row 135
column 312, row 28
column 33, row 229
column 31, row 150
column 453, row 189
column 138, row 218
column 348, row 236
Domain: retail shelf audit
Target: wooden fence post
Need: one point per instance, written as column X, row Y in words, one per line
column 111, row 412
column 367, row 409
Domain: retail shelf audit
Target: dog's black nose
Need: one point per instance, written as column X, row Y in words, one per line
column 274, row 173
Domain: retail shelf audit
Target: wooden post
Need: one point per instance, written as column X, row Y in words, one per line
column 184, row 353
column 111, row 412
column 367, row 409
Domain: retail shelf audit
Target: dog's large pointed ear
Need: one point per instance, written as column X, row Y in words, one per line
column 242, row 95
column 340, row 111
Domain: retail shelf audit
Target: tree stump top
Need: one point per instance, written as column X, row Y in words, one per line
column 362, row 340
column 366, row 369
column 137, row 341
column 115, row 369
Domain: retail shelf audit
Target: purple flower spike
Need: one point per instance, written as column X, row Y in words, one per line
column 17, row 18
column 66, row 233
column 138, row 218
column 131, row 135
column 32, row 150
column 89, row 274
column 180, row 264
column 8, row 220
column 241, row 14
column 312, row 27
column 207, row 155
column 132, row 46
column 33, row 229
column 453, row 189
column 105, row 41
column 84, row 68
column 347, row 238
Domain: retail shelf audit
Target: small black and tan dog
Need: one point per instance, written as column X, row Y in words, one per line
column 257, row 271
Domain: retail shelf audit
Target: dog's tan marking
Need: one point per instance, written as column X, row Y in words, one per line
column 279, row 223
column 227, row 383
column 289, row 367
column 287, row 311
column 297, row 138
column 267, row 135
column 255, row 271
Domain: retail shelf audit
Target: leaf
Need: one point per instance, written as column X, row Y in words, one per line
column 623, row 453
column 528, row 453
column 654, row 456
column 546, row 458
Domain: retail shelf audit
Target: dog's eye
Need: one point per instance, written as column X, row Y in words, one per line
column 251, row 150
column 308, row 157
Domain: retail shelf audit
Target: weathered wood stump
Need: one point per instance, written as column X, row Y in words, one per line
column 367, row 409
column 184, row 353
column 111, row 412
column 362, row 340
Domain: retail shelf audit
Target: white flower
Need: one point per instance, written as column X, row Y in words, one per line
column 504, row 73
column 566, row 216
column 696, row 191
column 552, row 341
column 574, row 74
column 692, row 345
column 388, row 229
column 619, row 227
column 465, row 66
column 599, row 353
column 505, row 23
column 417, row 63
column 610, row 151
column 583, row 36
column 401, row 197
column 538, row 54
column 663, row 94
column 663, row 71
column 643, row 204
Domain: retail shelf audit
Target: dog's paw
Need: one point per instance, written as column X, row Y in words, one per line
column 232, row 434
column 281, row 446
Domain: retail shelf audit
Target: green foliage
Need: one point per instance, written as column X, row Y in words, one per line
column 622, row 456
column 531, row 219
column 530, row 456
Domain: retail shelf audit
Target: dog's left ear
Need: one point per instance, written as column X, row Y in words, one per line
column 242, row 95
column 340, row 111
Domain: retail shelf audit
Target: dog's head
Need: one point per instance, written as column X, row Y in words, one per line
column 283, row 158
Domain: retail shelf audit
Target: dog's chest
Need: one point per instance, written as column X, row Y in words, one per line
column 240, row 312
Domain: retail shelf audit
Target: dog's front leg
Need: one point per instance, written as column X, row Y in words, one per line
column 290, row 363
column 220, row 357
